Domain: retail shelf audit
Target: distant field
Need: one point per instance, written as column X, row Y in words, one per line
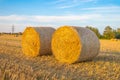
column 15, row 66
column 110, row 45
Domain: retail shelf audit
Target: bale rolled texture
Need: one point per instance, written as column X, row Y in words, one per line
column 74, row 44
column 37, row 41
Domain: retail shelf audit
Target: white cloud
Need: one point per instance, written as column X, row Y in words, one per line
column 62, row 4
column 67, row 6
column 12, row 18
column 102, row 8
column 38, row 18
column 54, row 20
column 21, row 21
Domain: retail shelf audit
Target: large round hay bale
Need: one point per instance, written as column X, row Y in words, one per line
column 37, row 41
column 74, row 44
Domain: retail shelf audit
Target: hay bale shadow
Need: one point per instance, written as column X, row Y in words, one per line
column 108, row 57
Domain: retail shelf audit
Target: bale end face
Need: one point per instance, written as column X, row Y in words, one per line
column 66, row 44
column 30, row 42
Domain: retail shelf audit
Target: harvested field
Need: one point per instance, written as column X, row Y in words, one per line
column 15, row 66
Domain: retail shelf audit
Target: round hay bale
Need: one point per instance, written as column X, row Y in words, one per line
column 74, row 44
column 37, row 41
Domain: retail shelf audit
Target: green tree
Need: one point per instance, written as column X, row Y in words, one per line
column 117, row 35
column 95, row 30
column 108, row 33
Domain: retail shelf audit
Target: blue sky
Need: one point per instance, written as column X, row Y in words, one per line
column 55, row 13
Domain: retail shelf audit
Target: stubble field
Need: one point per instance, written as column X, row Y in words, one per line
column 14, row 65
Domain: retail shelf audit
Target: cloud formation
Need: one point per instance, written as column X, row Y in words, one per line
column 38, row 18
column 63, row 4
column 21, row 21
column 96, row 20
column 100, row 16
column 102, row 8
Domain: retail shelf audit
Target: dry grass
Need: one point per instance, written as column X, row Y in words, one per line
column 15, row 66
column 110, row 45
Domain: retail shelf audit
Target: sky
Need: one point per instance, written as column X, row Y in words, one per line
column 56, row 13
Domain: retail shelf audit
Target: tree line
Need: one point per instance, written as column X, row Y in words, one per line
column 15, row 34
column 108, row 32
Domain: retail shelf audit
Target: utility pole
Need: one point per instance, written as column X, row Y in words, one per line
column 13, row 28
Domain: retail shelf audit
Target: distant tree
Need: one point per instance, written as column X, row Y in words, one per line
column 20, row 33
column 117, row 33
column 95, row 30
column 118, row 30
column 108, row 33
